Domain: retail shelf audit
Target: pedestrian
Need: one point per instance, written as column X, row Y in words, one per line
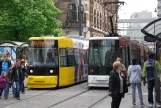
column 3, row 81
column 135, row 74
column 117, row 85
column 24, row 74
column 150, row 69
column 9, row 75
column 122, row 68
column 5, row 65
column 16, row 77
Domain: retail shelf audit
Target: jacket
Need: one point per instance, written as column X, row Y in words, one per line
column 16, row 74
column 3, row 81
column 114, row 84
column 156, row 66
column 134, row 72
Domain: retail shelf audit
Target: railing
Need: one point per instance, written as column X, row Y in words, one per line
column 71, row 24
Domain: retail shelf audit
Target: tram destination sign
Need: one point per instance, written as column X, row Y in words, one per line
column 42, row 43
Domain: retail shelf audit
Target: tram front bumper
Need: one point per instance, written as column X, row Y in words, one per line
column 98, row 81
column 42, row 81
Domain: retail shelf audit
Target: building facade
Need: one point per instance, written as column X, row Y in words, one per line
column 95, row 17
column 135, row 32
column 159, row 8
column 70, row 16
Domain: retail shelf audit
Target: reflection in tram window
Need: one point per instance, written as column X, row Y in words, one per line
column 43, row 55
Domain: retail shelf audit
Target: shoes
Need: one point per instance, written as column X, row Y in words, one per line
column 6, row 98
column 150, row 104
column 0, row 97
column 158, row 105
column 134, row 105
column 18, row 98
column 23, row 92
column 142, row 105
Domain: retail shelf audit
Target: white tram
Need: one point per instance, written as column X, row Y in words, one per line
column 102, row 53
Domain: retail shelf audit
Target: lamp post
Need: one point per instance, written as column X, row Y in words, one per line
column 154, row 30
column 80, row 17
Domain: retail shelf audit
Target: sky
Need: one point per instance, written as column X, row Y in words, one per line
column 131, row 6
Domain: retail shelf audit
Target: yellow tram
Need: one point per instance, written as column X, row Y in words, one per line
column 55, row 62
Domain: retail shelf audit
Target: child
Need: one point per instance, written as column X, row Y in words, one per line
column 3, row 81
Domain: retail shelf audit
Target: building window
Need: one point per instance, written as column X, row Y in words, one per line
column 94, row 18
column 72, row 12
column 98, row 20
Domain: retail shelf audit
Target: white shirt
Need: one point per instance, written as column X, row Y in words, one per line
column 121, row 82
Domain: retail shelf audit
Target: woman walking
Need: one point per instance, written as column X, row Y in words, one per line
column 134, row 73
column 117, row 85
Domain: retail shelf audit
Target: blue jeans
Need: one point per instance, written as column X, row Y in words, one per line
column 13, row 88
column 17, row 93
column 6, row 90
column 151, row 85
column 138, row 85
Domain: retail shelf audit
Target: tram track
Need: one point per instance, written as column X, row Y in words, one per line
column 67, row 99
column 44, row 94
column 94, row 104
column 25, row 99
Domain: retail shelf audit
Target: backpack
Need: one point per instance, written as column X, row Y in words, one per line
column 150, row 70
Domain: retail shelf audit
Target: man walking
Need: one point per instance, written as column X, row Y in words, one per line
column 16, row 77
column 150, row 69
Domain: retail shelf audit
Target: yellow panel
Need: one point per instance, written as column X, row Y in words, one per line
column 66, row 76
column 42, row 81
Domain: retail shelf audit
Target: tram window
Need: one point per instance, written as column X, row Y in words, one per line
column 76, row 57
column 70, row 60
column 63, row 57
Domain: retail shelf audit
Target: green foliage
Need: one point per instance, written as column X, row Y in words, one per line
column 21, row 19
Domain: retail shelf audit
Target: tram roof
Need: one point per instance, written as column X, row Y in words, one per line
column 104, row 38
column 9, row 43
column 47, row 38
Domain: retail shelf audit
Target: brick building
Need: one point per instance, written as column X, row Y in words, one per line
column 94, row 15
column 69, row 17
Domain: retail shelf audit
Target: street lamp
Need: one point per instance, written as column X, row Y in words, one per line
column 80, row 10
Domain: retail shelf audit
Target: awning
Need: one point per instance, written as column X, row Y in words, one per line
column 153, row 29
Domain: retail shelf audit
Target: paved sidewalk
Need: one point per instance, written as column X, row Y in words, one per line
column 127, row 101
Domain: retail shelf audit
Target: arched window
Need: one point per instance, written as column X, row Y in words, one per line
column 72, row 12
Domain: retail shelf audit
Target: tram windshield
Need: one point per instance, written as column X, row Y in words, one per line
column 102, row 53
column 43, row 53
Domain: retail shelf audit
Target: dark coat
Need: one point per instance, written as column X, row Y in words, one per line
column 14, row 75
column 114, row 84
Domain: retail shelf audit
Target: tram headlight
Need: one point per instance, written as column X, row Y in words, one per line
column 31, row 71
column 51, row 71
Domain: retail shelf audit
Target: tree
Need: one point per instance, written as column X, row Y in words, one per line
column 21, row 19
